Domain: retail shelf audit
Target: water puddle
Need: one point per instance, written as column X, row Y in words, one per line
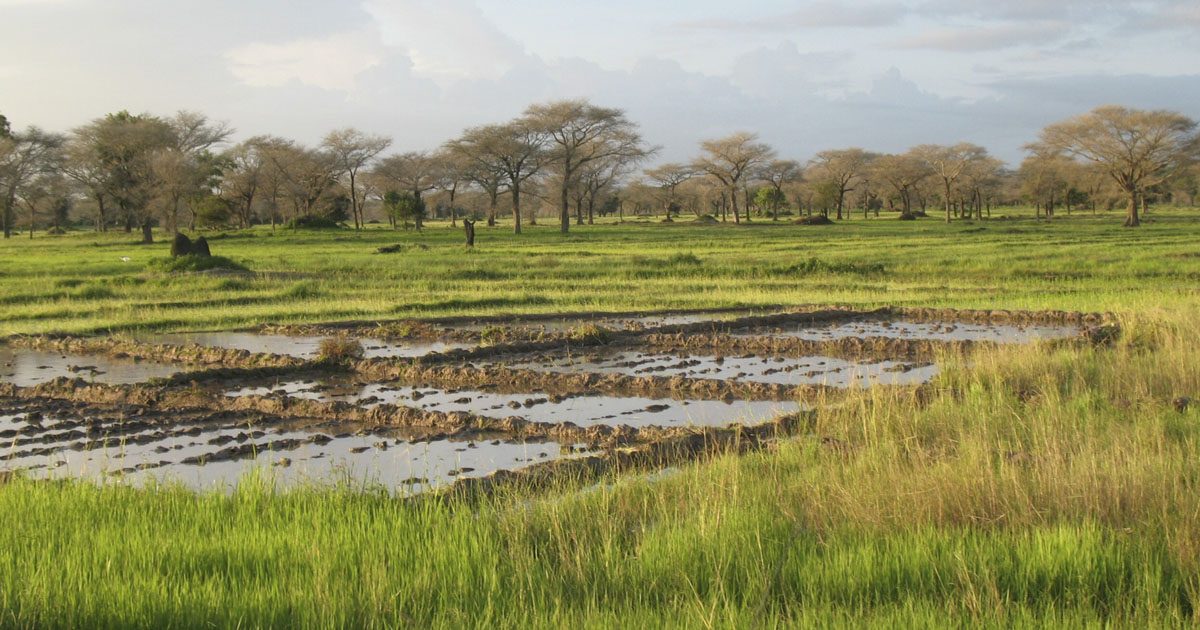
column 816, row 370
column 26, row 368
column 935, row 331
column 552, row 326
column 584, row 409
column 298, row 346
column 203, row 456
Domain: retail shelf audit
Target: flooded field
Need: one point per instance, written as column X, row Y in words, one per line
column 413, row 426
column 304, row 347
column 23, row 367
column 932, row 331
column 814, row 370
column 583, row 408
column 215, row 454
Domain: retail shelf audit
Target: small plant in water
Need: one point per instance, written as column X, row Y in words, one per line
column 591, row 335
column 339, row 349
column 493, row 334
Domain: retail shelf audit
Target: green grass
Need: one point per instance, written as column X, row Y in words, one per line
column 1035, row 486
column 1076, row 263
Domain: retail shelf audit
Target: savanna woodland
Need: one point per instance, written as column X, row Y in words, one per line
column 538, row 377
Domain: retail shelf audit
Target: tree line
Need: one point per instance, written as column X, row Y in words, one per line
column 573, row 158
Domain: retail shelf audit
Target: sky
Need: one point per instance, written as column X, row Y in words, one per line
column 805, row 75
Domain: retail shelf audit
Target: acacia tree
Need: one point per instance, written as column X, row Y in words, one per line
column 777, row 174
column 600, row 176
column 243, row 175
column 23, row 158
column 982, row 178
column 1136, row 148
column 844, row 168
column 415, row 172
column 579, row 133
column 730, row 159
column 123, row 145
column 667, row 178
column 184, row 169
column 515, row 151
column 903, row 173
column 948, row 163
column 305, row 175
column 1045, row 179
column 352, row 150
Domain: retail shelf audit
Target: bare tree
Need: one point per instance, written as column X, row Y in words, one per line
column 1136, row 148
column 352, row 151
column 515, row 151
column 730, row 159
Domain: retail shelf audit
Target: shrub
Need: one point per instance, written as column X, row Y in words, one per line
column 590, row 335
column 339, row 349
column 312, row 223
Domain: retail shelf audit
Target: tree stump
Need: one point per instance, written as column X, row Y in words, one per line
column 469, row 226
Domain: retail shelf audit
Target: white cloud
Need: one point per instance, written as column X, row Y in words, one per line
column 447, row 40
column 981, row 38
column 330, row 62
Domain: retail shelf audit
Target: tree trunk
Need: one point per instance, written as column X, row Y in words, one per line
column 564, row 210
column 579, row 211
column 147, row 234
column 492, row 208
column 733, row 206
column 516, row 205
column 1131, row 220
column 591, row 205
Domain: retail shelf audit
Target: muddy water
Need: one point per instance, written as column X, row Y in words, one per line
column 298, row 346
column 585, row 409
column 30, row 367
column 936, row 331
column 611, row 323
column 781, row 370
column 203, row 456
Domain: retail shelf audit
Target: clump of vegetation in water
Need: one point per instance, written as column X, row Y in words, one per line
column 340, row 349
column 591, row 335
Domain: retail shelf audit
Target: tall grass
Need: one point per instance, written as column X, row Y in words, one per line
column 1038, row 486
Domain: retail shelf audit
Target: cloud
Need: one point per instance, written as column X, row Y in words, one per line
column 446, row 39
column 331, row 62
column 983, row 38
column 825, row 14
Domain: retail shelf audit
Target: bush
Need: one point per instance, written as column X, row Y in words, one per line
column 339, row 349
column 312, row 223
column 194, row 262
column 590, row 335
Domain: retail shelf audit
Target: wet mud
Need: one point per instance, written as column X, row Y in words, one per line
column 470, row 404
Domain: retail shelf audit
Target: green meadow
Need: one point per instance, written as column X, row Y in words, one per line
column 1048, row 485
